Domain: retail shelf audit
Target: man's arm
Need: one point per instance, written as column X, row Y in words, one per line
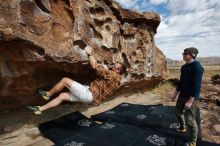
column 101, row 70
column 175, row 95
column 178, row 88
column 197, row 80
column 189, row 103
column 92, row 60
column 177, row 91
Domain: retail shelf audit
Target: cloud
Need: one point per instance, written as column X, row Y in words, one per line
column 127, row 3
column 157, row 2
column 184, row 6
column 207, row 45
column 138, row 5
column 184, row 24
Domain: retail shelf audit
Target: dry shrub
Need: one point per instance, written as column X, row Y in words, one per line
column 166, row 86
column 215, row 79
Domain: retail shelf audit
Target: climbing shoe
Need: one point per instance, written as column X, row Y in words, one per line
column 181, row 130
column 190, row 144
column 44, row 94
column 35, row 109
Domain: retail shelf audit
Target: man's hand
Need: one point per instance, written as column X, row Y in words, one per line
column 88, row 50
column 174, row 97
column 92, row 60
column 105, row 66
column 189, row 103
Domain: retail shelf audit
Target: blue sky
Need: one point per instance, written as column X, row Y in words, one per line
column 184, row 23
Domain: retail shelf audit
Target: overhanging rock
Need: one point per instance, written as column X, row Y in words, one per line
column 42, row 41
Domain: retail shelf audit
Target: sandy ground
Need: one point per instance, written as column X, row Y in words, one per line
column 20, row 129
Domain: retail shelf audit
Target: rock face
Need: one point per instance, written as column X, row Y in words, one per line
column 42, row 41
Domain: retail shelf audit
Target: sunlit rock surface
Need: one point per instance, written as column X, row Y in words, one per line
column 42, row 41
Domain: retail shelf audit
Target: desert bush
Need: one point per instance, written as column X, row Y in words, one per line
column 215, row 79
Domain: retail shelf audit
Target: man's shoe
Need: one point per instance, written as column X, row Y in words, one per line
column 183, row 130
column 35, row 109
column 190, row 144
column 44, row 94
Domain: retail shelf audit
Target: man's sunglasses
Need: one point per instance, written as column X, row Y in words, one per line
column 186, row 53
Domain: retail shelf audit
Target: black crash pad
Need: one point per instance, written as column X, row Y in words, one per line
column 152, row 138
column 162, row 118
column 80, row 140
column 121, row 113
column 65, row 126
column 108, row 133
column 117, row 134
column 76, row 129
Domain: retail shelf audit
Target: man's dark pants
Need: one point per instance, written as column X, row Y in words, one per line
column 190, row 116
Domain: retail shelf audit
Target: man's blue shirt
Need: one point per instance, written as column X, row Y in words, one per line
column 190, row 80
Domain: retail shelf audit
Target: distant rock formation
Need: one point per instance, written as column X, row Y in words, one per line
column 203, row 60
column 41, row 41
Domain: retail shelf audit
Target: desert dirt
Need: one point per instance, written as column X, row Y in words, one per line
column 20, row 128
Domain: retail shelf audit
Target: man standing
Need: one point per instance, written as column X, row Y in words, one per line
column 187, row 93
column 100, row 89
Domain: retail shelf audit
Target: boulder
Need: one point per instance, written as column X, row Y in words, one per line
column 42, row 41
